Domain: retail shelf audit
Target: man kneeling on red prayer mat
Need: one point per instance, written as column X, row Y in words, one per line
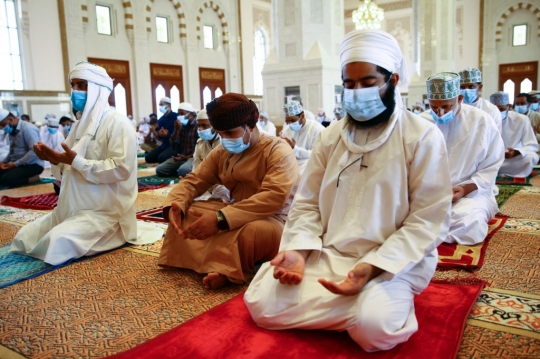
column 225, row 240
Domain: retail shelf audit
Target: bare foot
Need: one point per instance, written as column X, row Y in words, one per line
column 214, row 280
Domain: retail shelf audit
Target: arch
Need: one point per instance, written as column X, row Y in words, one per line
column 221, row 16
column 522, row 5
column 179, row 12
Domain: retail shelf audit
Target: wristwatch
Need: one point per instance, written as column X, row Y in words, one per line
column 221, row 221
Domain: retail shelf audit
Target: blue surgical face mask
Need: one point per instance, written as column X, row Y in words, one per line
column 78, row 99
column 8, row 129
column 417, row 112
column 295, row 126
column 183, row 120
column 521, row 109
column 235, row 145
column 163, row 109
column 504, row 115
column 67, row 127
column 447, row 117
column 534, row 106
column 263, row 123
column 52, row 130
column 469, row 95
column 206, row 135
column 363, row 104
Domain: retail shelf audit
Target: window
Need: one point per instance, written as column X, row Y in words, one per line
column 509, row 87
column 103, row 18
column 162, row 29
column 10, row 55
column 519, row 35
column 208, row 36
column 259, row 58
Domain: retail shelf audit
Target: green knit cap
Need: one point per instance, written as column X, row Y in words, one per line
column 443, row 86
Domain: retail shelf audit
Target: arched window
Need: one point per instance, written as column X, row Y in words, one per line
column 10, row 53
column 259, row 58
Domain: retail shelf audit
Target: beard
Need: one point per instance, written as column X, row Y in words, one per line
column 382, row 118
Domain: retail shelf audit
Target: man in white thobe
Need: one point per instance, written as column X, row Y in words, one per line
column 470, row 86
column 371, row 209
column 300, row 132
column 522, row 105
column 475, row 154
column 265, row 125
column 53, row 136
column 96, row 207
column 518, row 137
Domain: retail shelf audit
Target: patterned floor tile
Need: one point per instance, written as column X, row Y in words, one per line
column 522, row 205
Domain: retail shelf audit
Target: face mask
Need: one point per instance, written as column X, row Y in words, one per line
column 78, row 99
column 521, row 109
column 163, row 109
column 52, row 131
column 417, row 112
column 8, row 129
column 67, row 127
column 183, row 120
column 469, row 95
column 534, row 106
column 447, row 117
column 235, row 145
column 504, row 115
column 363, row 104
column 295, row 126
column 263, row 123
column 206, row 135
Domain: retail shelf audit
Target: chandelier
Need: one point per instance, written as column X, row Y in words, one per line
column 368, row 15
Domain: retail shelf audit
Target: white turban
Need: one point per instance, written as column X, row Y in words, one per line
column 376, row 47
column 100, row 86
column 3, row 114
column 53, row 121
column 165, row 99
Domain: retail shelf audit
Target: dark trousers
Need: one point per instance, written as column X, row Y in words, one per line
column 159, row 155
column 17, row 176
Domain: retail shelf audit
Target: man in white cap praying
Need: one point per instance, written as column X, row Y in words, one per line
column 265, row 125
column 163, row 133
column 20, row 165
column 98, row 170
column 470, row 86
column 362, row 234
column 52, row 136
column 183, row 143
column 518, row 137
column 300, row 132
column 418, row 108
column 475, row 154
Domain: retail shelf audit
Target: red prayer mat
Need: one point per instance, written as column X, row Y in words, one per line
column 40, row 201
column 227, row 331
column 153, row 215
column 453, row 255
column 147, row 187
column 517, row 181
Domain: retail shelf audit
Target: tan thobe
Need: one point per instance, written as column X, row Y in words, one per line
column 260, row 180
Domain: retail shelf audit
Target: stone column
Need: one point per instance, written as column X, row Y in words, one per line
column 306, row 54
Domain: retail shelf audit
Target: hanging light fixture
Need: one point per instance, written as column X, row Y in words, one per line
column 368, row 15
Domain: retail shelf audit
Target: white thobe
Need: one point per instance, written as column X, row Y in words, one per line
column 305, row 140
column 144, row 130
column 491, row 109
column 475, row 154
column 269, row 128
column 534, row 118
column 96, row 207
column 309, row 115
column 517, row 133
column 381, row 198
column 4, row 146
column 54, row 141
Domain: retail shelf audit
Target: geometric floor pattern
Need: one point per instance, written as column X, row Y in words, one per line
column 114, row 301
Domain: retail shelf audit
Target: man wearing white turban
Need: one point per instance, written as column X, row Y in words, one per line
column 98, row 169
column 52, row 135
column 372, row 207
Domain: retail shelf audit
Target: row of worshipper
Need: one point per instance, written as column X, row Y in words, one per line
column 19, row 164
column 335, row 258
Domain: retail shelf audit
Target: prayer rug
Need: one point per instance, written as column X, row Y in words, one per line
column 505, row 192
column 516, row 181
column 5, row 211
column 153, row 249
column 41, row 181
column 452, row 255
column 17, row 267
column 143, row 187
column 155, row 180
column 227, row 331
column 152, row 215
column 507, row 311
column 19, row 216
column 529, row 226
column 139, row 155
column 41, row 201
column 523, row 204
